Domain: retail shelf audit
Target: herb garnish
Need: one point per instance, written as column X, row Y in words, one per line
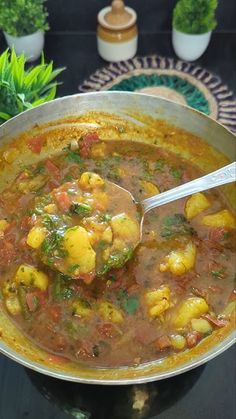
column 106, row 217
column 67, row 178
column 176, row 173
column 176, row 224
column 81, row 209
column 218, row 274
column 116, row 261
column 72, row 268
column 73, row 156
column 128, row 303
column 159, row 165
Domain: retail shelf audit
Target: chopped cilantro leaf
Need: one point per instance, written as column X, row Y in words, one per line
column 80, row 209
column 73, row 156
column 128, row 303
column 176, row 224
column 67, row 178
column 218, row 274
column 159, row 165
column 116, row 261
column 176, row 173
column 72, row 268
column 101, row 244
column 106, row 217
column 40, row 168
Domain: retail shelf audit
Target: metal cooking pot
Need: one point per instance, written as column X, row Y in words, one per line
column 107, row 112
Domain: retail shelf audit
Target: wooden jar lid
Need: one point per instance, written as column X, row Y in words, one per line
column 117, row 16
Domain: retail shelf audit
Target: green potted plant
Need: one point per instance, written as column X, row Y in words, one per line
column 22, row 89
column 193, row 22
column 23, row 23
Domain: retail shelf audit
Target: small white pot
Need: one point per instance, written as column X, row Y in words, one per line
column 190, row 47
column 31, row 45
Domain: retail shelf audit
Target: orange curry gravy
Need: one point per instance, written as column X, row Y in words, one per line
column 176, row 289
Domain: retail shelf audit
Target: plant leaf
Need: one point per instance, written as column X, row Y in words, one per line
column 21, row 89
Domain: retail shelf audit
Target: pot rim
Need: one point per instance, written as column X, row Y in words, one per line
column 115, row 93
column 35, row 366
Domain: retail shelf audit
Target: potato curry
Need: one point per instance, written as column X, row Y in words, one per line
column 69, row 277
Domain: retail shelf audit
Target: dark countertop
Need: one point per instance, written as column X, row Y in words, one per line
column 207, row 392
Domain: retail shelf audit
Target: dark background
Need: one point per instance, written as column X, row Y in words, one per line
column 153, row 15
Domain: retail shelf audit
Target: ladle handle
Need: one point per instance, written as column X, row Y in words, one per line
column 226, row 174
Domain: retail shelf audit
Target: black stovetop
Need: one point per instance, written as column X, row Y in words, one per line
column 207, row 392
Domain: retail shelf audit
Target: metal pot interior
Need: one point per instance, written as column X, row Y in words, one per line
column 211, row 147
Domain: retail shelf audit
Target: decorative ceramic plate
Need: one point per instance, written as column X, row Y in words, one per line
column 176, row 80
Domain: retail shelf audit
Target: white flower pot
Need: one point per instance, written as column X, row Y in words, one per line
column 190, row 47
column 30, row 45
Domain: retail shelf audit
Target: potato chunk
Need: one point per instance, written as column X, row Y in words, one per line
column 178, row 341
column 110, row 313
column 107, row 235
column 98, row 150
column 90, row 180
column 149, row 188
column 81, row 308
column 189, row 309
column 223, row 218
column 29, row 275
column 3, row 225
column 157, row 301
column 13, row 305
column 179, row 262
column 195, row 205
column 32, row 184
column 80, row 251
column 201, row 325
column 35, row 237
column 11, row 154
column 123, row 226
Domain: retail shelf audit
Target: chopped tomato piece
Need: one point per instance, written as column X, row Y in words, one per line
column 163, row 342
column 35, row 299
column 52, row 184
column 216, row 234
column 7, row 252
column 32, row 301
column 87, row 278
column 55, row 312
column 193, row 338
column 216, row 322
column 26, row 223
column 85, row 349
column 86, row 142
column 63, row 200
column 52, row 168
column 35, row 144
column 22, row 242
column 107, row 329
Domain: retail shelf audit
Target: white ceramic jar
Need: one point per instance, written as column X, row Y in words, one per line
column 117, row 34
column 190, row 47
column 31, row 45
